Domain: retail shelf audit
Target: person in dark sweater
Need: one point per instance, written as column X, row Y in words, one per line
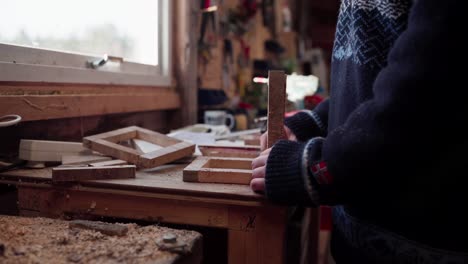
column 388, row 148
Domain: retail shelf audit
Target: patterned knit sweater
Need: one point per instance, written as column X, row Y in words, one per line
column 388, row 148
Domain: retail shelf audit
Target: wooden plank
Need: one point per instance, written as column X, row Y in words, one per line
column 83, row 159
column 276, row 106
column 108, row 163
column 219, row 170
column 42, row 107
column 71, row 174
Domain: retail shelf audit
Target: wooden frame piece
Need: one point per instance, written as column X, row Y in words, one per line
column 219, row 170
column 230, row 151
column 107, row 143
column 276, row 106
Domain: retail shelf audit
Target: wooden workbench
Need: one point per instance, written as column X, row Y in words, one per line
column 256, row 229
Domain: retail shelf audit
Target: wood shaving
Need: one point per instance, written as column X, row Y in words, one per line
column 43, row 240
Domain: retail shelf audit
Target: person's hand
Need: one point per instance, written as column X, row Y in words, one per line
column 258, row 171
column 287, row 132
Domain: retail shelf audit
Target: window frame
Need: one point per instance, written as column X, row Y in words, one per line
column 28, row 64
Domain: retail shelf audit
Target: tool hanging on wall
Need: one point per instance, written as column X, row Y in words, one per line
column 209, row 12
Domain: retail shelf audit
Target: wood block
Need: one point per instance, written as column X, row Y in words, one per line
column 219, row 170
column 72, row 174
column 43, row 150
column 108, row 163
column 83, row 159
column 57, row 146
column 276, row 106
column 171, row 149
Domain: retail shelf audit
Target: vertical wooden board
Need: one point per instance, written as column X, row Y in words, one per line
column 236, row 247
column 276, row 106
column 271, row 235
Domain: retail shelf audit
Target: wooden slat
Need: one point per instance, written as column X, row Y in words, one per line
column 72, row 174
column 276, row 106
column 41, row 107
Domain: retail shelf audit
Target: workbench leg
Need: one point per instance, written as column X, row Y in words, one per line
column 257, row 236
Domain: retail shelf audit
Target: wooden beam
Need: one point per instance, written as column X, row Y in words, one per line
column 41, row 107
column 276, row 106
column 72, row 174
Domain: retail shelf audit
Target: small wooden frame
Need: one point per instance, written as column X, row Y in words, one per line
column 107, row 143
column 219, row 170
column 276, row 106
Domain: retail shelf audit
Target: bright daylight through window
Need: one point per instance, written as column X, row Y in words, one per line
column 126, row 41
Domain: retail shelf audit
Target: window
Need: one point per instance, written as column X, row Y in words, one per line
column 99, row 42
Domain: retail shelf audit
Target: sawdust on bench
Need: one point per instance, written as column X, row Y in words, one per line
column 43, row 240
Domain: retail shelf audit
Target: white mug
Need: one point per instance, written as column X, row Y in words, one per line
column 219, row 117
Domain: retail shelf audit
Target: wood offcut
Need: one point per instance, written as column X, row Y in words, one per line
column 105, row 228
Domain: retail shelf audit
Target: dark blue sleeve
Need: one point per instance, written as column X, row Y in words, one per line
column 415, row 116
